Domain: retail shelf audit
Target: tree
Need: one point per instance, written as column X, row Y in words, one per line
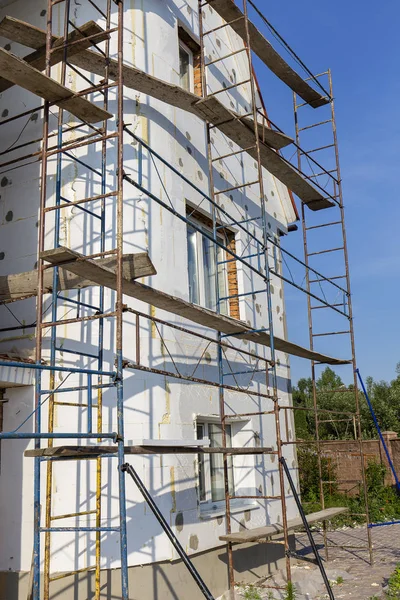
column 336, row 407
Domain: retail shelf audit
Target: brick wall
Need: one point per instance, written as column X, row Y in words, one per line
column 344, row 456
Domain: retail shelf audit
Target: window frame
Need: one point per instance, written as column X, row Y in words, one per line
column 200, row 266
column 190, row 53
column 205, row 461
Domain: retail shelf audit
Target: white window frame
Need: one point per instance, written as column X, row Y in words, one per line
column 199, row 241
column 189, row 52
column 204, row 467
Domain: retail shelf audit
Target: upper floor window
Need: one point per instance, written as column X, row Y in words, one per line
column 207, row 268
column 189, row 63
column 185, row 67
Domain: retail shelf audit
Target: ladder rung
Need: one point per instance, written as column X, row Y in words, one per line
column 212, row 62
column 239, row 223
column 61, row 349
column 259, row 496
column 70, row 573
column 328, row 279
column 325, row 173
column 237, row 187
column 335, row 421
column 315, row 125
column 323, row 225
column 233, row 118
column 77, row 514
column 76, row 529
column 223, row 262
column 229, row 87
column 227, row 374
column 239, row 333
column 326, row 251
column 330, row 306
column 223, row 25
column 74, row 404
column 347, row 546
column 330, row 333
column 305, row 152
column 242, row 295
column 256, row 414
column 240, row 151
column 339, row 481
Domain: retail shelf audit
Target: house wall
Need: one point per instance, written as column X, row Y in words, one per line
column 155, row 407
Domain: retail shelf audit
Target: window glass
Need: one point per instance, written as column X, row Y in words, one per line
column 193, row 270
column 202, row 475
column 184, row 66
column 210, row 293
column 202, row 270
column 217, row 463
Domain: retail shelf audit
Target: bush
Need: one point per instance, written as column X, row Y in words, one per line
column 383, row 501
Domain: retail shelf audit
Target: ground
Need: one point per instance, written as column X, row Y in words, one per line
column 361, row 581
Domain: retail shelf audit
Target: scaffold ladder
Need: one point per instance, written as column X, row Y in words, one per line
column 260, row 252
column 95, row 380
column 326, row 237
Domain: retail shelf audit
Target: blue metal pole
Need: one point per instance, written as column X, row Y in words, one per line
column 375, row 420
column 119, row 300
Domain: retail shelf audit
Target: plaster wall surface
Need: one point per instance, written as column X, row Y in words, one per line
column 156, row 407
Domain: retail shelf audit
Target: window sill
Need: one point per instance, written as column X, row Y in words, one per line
column 210, row 513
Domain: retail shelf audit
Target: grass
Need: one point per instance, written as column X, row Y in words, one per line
column 394, row 584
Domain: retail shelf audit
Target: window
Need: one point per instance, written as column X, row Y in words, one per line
column 185, row 67
column 203, row 254
column 189, row 63
column 211, row 466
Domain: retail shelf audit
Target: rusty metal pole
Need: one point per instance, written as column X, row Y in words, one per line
column 268, row 291
column 351, row 321
column 221, row 396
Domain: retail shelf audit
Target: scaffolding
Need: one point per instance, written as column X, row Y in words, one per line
column 96, row 47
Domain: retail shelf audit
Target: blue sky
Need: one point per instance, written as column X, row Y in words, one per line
column 360, row 42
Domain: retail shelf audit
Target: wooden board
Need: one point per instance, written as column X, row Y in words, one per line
column 14, row 29
column 172, row 94
column 20, row 73
column 240, row 130
column 243, row 135
column 23, row 33
column 95, row 451
column 91, row 269
column 212, row 110
column 260, row 533
column 229, row 12
column 24, row 285
column 172, row 304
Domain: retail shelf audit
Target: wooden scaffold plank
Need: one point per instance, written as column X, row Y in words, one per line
column 231, row 13
column 24, row 285
column 261, row 533
column 202, row 316
column 20, row 73
column 241, row 131
column 85, row 452
column 18, row 32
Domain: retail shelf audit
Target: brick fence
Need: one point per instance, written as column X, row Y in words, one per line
column 344, row 457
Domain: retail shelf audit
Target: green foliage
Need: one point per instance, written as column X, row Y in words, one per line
column 339, row 580
column 385, row 398
column 251, row 593
column 394, row 584
column 383, row 501
column 290, row 592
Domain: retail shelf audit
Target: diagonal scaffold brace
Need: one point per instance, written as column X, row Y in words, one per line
column 318, row 559
column 127, row 468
